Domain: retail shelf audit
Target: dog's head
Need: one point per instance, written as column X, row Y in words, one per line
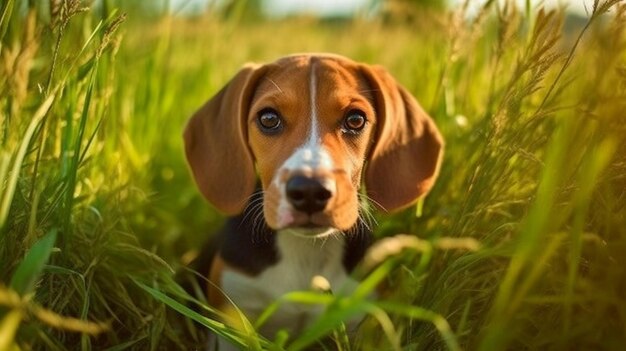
column 310, row 127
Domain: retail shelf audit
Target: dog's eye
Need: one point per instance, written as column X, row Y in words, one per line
column 269, row 121
column 354, row 122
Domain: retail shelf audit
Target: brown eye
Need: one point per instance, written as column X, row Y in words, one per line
column 269, row 121
column 354, row 122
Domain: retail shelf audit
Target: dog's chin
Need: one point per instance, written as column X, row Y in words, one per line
column 311, row 231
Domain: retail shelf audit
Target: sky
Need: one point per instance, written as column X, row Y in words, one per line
column 577, row 6
column 348, row 6
column 330, row 7
column 322, row 7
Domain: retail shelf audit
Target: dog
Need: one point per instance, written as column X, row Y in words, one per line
column 286, row 149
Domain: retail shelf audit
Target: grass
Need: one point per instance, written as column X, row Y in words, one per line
column 519, row 246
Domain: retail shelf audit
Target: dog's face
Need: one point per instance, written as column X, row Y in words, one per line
column 309, row 127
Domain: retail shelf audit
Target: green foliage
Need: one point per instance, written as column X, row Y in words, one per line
column 23, row 280
column 519, row 245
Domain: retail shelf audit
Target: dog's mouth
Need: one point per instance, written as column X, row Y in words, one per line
column 310, row 226
column 311, row 231
column 309, row 223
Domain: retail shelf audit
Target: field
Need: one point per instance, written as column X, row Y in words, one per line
column 520, row 245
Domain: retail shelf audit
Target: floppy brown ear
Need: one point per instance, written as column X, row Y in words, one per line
column 405, row 159
column 216, row 148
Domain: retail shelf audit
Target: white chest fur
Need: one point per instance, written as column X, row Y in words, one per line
column 300, row 259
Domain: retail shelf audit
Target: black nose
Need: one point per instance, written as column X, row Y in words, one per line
column 307, row 194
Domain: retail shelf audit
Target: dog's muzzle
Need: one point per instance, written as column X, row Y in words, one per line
column 307, row 194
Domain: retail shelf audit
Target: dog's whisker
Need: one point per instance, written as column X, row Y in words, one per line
column 251, row 209
column 254, row 207
column 252, row 200
column 256, row 227
column 338, row 235
column 259, row 225
column 260, row 230
column 363, row 222
column 369, row 199
column 254, row 194
column 367, row 215
column 364, row 212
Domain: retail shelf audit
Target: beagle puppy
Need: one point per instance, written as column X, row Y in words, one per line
column 286, row 149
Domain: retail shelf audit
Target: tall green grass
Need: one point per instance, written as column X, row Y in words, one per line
column 519, row 246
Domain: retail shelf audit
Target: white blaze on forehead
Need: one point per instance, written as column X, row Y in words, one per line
column 313, row 138
column 312, row 155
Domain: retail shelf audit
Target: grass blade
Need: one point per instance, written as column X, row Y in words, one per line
column 8, row 328
column 9, row 191
column 216, row 327
column 7, row 10
column 27, row 273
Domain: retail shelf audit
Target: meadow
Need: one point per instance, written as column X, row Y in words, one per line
column 520, row 245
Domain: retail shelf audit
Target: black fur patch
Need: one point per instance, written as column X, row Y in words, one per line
column 248, row 244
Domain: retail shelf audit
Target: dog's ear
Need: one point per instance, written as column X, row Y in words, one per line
column 215, row 144
column 405, row 159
